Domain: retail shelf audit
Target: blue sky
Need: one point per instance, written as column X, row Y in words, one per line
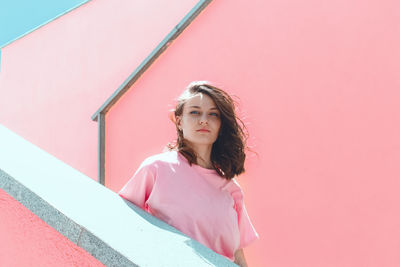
column 19, row 17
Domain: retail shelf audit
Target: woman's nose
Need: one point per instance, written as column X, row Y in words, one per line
column 203, row 119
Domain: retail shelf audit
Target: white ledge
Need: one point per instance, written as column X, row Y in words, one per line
column 95, row 218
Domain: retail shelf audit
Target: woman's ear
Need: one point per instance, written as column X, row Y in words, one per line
column 175, row 119
column 178, row 123
column 171, row 116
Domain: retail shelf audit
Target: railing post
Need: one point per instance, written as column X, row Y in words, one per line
column 101, row 140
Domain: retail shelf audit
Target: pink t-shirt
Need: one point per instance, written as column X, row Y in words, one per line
column 195, row 200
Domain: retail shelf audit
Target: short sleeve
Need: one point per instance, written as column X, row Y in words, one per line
column 139, row 187
column 247, row 232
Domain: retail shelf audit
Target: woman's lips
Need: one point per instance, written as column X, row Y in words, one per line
column 203, row 130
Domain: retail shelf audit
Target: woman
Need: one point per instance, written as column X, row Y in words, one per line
column 191, row 185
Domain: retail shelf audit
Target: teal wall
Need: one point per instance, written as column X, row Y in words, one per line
column 19, row 17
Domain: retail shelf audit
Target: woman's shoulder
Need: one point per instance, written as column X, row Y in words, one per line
column 234, row 188
column 161, row 158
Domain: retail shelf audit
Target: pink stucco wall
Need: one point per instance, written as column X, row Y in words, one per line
column 26, row 240
column 319, row 90
column 54, row 79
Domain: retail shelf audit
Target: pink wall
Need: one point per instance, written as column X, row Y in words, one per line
column 26, row 240
column 54, row 79
column 318, row 83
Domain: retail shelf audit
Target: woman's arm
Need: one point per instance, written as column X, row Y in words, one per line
column 240, row 259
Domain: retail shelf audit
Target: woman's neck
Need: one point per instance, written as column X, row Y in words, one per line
column 207, row 165
column 203, row 156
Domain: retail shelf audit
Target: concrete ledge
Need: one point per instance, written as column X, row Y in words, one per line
column 113, row 230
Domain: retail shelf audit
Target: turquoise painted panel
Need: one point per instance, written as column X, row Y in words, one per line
column 19, row 17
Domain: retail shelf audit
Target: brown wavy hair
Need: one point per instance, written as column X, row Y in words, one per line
column 227, row 155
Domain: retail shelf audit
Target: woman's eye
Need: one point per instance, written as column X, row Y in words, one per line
column 196, row 112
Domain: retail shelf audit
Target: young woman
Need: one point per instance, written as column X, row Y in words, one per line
column 191, row 185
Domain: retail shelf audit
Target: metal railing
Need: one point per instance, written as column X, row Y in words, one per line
column 100, row 114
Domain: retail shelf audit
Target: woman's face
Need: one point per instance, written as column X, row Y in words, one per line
column 200, row 112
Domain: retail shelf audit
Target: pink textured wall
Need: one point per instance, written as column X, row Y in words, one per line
column 26, row 240
column 319, row 89
column 54, row 79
